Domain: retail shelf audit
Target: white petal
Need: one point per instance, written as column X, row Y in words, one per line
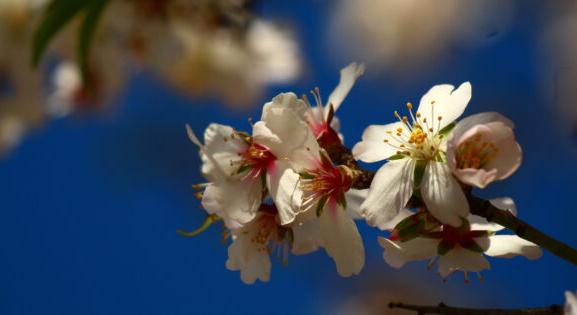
column 570, row 303
column 403, row 214
column 306, row 237
column 507, row 246
column 463, row 260
column 373, row 147
column 282, row 183
column 397, row 254
column 236, row 202
column 287, row 101
column 287, row 136
column 443, row 194
column 507, row 160
column 348, row 77
column 390, row 191
column 355, row 198
column 342, row 241
column 443, row 101
column 481, row 224
column 220, row 153
column 247, row 256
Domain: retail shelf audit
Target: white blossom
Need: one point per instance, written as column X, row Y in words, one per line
column 415, row 143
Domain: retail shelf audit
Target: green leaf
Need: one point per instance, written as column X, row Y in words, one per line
column 472, row 246
column 94, row 11
column 321, row 205
column 447, row 129
column 419, row 172
column 444, row 247
column 397, row 157
column 58, row 14
column 210, row 219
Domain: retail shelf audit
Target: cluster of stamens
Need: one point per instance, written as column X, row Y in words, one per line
column 255, row 161
column 475, row 153
column 326, row 182
column 269, row 236
column 419, row 139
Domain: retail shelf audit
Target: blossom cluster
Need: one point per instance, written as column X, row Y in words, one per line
column 291, row 185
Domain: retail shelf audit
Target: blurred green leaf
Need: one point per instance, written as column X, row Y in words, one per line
column 87, row 30
column 57, row 16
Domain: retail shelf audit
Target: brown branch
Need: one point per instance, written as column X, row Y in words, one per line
column 443, row 309
column 504, row 218
column 342, row 155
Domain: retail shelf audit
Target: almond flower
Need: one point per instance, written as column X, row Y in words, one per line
column 320, row 118
column 253, row 243
column 415, row 146
column 242, row 167
column 459, row 248
column 570, row 303
column 323, row 188
column 482, row 149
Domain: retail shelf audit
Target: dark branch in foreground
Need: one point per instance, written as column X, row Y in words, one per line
column 481, row 207
column 443, row 309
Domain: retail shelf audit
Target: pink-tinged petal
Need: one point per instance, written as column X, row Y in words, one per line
column 403, row 214
column 445, row 102
column 507, row 160
column 443, row 195
column 342, row 241
column 389, row 193
column 373, row 147
column 349, row 75
column 461, row 259
column 476, row 177
column 234, row 201
column 508, row 246
column 282, row 183
column 570, row 303
column 478, row 119
column 397, row 254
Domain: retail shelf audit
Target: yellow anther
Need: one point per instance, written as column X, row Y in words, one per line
column 386, row 140
column 409, row 105
column 440, row 118
column 397, row 115
column 399, row 129
column 418, row 115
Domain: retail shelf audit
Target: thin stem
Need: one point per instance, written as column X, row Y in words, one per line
column 504, row 218
column 443, row 309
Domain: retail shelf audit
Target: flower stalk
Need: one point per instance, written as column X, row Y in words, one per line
column 443, row 309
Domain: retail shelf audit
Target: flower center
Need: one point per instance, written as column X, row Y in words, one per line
column 419, row 138
column 257, row 159
column 475, row 153
column 326, row 183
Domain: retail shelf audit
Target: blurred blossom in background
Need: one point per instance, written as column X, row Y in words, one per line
column 407, row 37
column 98, row 175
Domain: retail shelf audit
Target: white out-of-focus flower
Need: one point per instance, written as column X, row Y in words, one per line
column 457, row 248
column 241, row 167
column 415, row 143
column 570, row 303
column 403, row 35
column 482, row 148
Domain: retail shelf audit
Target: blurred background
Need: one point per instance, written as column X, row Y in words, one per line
column 97, row 168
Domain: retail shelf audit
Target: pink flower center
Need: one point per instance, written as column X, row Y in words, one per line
column 257, row 159
column 327, row 183
column 475, row 153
